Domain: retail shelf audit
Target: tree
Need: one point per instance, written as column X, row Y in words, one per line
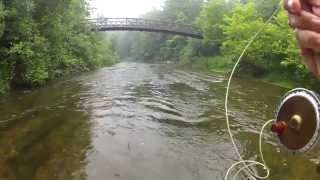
column 44, row 39
column 239, row 27
column 211, row 18
column 155, row 47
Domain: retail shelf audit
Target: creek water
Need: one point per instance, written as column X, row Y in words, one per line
column 137, row 121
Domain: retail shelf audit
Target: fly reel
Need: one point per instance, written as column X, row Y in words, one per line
column 298, row 120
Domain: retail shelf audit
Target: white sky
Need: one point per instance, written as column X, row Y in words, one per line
column 123, row 8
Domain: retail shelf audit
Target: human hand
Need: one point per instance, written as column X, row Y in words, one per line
column 304, row 17
column 304, row 14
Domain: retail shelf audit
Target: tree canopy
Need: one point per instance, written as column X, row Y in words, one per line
column 41, row 40
column 227, row 28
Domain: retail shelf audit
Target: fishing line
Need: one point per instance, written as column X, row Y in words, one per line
column 247, row 164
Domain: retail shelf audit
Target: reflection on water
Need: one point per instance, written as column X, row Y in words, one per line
column 137, row 121
column 44, row 134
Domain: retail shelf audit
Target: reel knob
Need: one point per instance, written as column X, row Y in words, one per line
column 278, row 127
column 295, row 123
column 298, row 120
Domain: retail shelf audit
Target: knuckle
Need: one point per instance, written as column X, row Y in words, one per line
column 310, row 41
column 295, row 21
column 306, row 52
column 313, row 42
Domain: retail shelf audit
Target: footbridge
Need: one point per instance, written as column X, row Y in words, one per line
column 148, row 25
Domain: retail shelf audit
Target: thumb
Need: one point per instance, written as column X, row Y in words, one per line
column 293, row 6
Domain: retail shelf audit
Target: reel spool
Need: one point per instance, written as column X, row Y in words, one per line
column 298, row 120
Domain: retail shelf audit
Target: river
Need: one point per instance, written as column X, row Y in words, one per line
column 137, row 121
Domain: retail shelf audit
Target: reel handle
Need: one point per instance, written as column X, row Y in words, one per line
column 278, row 127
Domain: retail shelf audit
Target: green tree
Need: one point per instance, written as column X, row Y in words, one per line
column 44, row 39
column 158, row 47
column 239, row 27
column 211, row 18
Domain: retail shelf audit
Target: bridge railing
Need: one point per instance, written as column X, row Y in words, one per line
column 139, row 23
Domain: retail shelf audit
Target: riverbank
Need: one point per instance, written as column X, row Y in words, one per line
column 227, row 28
column 4, row 91
column 223, row 66
column 39, row 44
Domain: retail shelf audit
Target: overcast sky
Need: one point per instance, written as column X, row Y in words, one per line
column 124, row 8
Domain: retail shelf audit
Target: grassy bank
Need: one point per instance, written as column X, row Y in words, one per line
column 223, row 66
column 217, row 65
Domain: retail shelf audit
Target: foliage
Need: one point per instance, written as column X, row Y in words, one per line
column 274, row 50
column 216, row 64
column 41, row 40
column 227, row 27
column 160, row 47
column 239, row 27
column 211, row 18
column 266, row 8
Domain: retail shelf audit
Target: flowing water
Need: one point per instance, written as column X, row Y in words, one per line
column 136, row 121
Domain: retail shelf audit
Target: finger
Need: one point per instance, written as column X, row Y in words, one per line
column 309, row 60
column 317, row 62
column 313, row 2
column 305, row 5
column 308, row 39
column 316, row 10
column 292, row 6
column 305, row 20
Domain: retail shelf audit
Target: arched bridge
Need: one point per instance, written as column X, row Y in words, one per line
column 138, row 24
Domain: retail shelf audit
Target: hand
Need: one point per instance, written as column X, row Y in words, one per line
column 304, row 17
column 304, row 14
column 311, row 57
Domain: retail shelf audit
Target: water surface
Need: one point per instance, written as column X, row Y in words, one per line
column 136, row 121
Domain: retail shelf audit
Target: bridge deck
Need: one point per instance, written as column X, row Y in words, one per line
column 138, row 24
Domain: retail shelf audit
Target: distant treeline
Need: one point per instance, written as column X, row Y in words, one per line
column 228, row 27
column 44, row 39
